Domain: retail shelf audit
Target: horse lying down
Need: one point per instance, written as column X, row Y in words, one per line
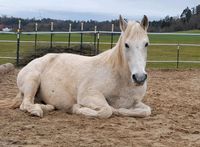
column 113, row 82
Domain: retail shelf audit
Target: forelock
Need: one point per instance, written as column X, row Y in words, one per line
column 134, row 29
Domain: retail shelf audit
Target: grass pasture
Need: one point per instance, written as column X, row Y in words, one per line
column 158, row 53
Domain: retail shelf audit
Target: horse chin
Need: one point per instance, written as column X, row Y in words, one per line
column 137, row 84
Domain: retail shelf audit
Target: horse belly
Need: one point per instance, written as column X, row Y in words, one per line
column 57, row 92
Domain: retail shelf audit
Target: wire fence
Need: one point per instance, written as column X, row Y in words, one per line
column 98, row 39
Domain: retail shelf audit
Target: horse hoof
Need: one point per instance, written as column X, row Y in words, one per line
column 22, row 107
column 37, row 112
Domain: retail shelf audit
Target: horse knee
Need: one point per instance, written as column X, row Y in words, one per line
column 147, row 111
column 105, row 112
column 144, row 109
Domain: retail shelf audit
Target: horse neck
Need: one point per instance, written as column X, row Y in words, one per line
column 118, row 59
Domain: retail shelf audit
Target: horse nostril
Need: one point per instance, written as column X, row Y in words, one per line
column 145, row 77
column 134, row 77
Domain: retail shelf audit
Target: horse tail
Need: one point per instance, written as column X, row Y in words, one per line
column 11, row 103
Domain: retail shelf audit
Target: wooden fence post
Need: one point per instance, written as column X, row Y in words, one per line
column 36, row 29
column 51, row 41
column 95, row 39
column 18, row 41
column 69, row 35
column 177, row 55
column 81, row 46
column 98, row 38
column 112, row 35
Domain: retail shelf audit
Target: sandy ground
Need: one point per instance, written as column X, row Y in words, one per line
column 175, row 121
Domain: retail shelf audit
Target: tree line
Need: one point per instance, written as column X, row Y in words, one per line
column 189, row 19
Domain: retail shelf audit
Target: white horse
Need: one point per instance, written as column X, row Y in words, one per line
column 113, row 82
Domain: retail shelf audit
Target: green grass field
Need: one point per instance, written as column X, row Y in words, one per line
column 190, row 31
column 154, row 52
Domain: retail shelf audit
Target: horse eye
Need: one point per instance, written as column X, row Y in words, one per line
column 126, row 45
column 146, row 44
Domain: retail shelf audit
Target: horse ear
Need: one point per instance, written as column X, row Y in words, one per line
column 145, row 23
column 122, row 23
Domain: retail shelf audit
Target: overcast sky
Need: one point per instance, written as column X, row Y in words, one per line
column 94, row 9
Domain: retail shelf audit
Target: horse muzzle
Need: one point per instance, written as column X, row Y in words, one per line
column 139, row 79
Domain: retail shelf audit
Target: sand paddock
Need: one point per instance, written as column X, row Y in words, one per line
column 175, row 121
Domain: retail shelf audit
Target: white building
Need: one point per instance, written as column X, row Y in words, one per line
column 6, row 29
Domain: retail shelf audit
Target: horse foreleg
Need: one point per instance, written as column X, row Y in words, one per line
column 92, row 104
column 139, row 110
column 103, row 112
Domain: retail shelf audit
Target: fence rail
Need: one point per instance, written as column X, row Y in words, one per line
column 148, row 61
column 92, row 32
column 88, row 42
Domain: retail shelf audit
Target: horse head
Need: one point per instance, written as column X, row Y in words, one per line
column 134, row 45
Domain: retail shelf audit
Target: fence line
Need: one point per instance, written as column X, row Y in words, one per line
column 92, row 32
column 148, row 61
column 8, row 58
column 106, row 43
column 172, row 61
column 96, row 41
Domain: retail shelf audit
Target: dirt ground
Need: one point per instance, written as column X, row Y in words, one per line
column 174, row 97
